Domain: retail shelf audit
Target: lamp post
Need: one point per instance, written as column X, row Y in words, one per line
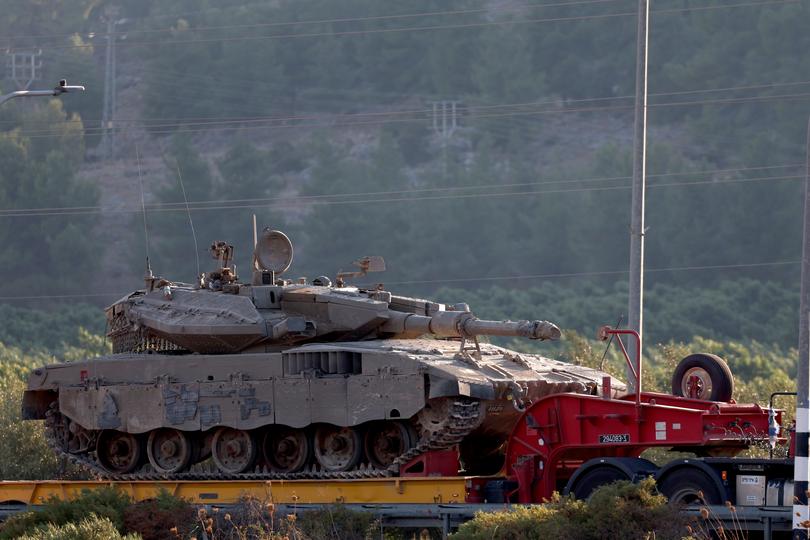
column 63, row 88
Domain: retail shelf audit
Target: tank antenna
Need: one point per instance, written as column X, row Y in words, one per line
column 190, row 222
column 149, row 274
column 255, row 236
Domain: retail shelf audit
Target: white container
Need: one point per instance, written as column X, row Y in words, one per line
column 751, row 490
column 779, row 493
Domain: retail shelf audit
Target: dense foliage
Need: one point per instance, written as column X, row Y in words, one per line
column 89, row 528
column 44, row 253
column 729, row 310
column 109, row 514
column 51, row 330
column 619, row 510
column 107, row 503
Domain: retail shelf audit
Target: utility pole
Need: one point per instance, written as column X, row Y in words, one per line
column 23, row 67
column 801, row 516
column 444, row 124
column 637, row 229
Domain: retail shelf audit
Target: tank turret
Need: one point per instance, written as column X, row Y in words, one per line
column 220, row 315
column 291, row 379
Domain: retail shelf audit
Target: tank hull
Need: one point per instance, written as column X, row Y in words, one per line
column 356, row 385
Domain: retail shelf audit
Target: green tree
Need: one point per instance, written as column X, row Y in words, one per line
column 40, row 172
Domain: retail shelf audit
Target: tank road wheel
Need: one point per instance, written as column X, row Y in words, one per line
column 337, row 449
column 233, row 450
column 169, row 450
column 119, row 453
column 286, row 449
column 703, row 376
column 385, row 441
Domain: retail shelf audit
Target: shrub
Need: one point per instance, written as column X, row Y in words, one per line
column 105, row 503
column 626, row 510
column 89, row 528
column 619, row 510
column 249, row 519
column 524, row 523
column 337, row 521
column 34, row 459
column 165, row 518
column 254, row 519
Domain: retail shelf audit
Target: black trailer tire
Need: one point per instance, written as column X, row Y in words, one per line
column 689, row 485
column 596, row 477
column 711, row 374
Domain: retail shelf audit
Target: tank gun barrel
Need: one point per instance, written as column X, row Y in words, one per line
column 527, row 329
column 465, row 324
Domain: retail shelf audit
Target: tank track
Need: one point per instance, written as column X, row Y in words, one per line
column 464, row 416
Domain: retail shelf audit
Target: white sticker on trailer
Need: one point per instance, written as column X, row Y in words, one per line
column 660, row 426
column 660, row 435
column 676, row 425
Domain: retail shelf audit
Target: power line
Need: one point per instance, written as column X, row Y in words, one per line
column 307, row 198
column 591, row 274
column 460, row 26
column 516, row 277
column 193, row 121
column 515, row 7
column 364, row 199
column 358, row 119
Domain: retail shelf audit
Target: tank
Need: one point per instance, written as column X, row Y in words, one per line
column 291, row 379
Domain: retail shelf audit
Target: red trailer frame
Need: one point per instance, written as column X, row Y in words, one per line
column 558, row 433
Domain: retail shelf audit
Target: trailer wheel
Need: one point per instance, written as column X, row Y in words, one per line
column 594, row 478
column 703, row 376
column 689, row 486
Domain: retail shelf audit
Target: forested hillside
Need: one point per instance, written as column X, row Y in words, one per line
column 481, row 147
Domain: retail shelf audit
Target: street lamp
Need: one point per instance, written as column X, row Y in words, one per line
column 63, row 88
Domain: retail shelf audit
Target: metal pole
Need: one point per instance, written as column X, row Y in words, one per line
column 105, row 107
column 800, row 470
column 636, row 290
column 113, row 76
column 26, row 93
column 58, row 91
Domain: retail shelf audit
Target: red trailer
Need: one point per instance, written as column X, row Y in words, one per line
column 573, row 443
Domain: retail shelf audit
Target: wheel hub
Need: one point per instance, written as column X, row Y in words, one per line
column 118, row 452
column 168, row 448
column 337, row 449
column 385, row 441
column 286, row 449
column 115, row 449
column 337, row 444
column 697, row 383
column 233, row 448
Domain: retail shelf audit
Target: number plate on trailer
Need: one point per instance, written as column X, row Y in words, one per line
column 614, row 438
